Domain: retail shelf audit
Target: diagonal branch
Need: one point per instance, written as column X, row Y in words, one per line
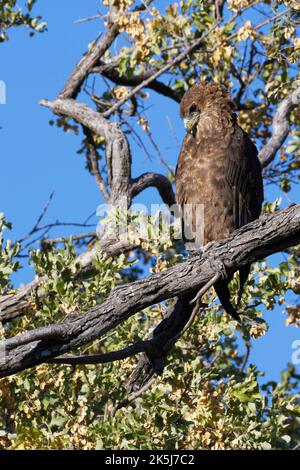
column 189, row 50
column 166, row 332
column 46, row 242
column 261, row 238
column 110, row 71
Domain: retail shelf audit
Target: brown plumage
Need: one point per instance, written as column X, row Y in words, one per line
column 219, row 168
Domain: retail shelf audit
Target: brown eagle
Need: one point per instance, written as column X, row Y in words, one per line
column 218, row 170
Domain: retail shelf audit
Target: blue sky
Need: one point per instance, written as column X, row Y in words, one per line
column 37, row 158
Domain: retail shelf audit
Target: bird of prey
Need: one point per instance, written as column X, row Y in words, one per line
column 218, row 170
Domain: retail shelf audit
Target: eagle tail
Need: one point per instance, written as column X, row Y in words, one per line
column 244, row 273
column 222, row 291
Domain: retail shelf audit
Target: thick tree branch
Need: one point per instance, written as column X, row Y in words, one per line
column 263, row 237
column 281, row 127
column 14, row 305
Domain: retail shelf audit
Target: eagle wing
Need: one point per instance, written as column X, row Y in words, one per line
column 244, row 176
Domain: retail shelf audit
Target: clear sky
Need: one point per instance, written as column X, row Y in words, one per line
column 37, row 158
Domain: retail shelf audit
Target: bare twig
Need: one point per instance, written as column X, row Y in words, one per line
column 69, row 238
column 205, row 288
column 40, row 218
column 133, row 396
column 88, row 18
column 156, row 148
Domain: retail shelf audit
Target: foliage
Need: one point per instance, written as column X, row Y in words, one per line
column 7, row 254
column 67, row 289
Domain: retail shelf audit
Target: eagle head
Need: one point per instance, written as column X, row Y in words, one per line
column 200, row 98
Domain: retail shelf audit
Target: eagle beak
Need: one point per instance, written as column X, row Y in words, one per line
column 190, row 122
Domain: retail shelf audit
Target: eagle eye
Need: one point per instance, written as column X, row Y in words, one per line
column 193, row 109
